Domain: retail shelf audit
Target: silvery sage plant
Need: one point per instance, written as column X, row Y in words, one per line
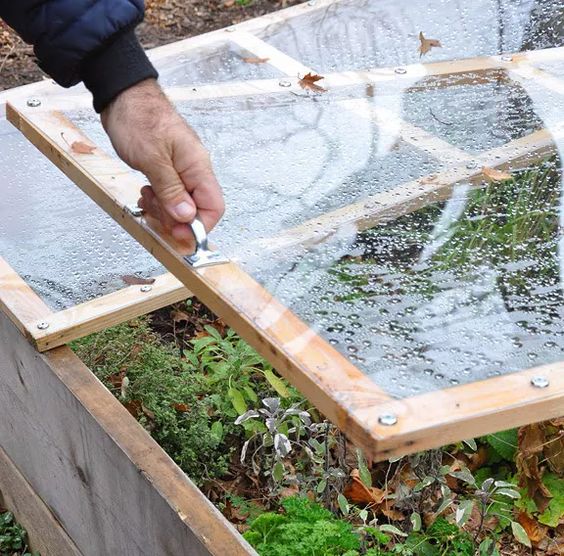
column 286, row 428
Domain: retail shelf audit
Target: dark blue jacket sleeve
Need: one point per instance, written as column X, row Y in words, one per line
column 84, row 40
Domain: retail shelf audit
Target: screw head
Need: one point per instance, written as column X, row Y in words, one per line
column 285, row 83
column 540, row 382
column 42, row 325
column 33, row 102
column 146, row 288
column 388, row 419
column 401, row 71
column 506, row 58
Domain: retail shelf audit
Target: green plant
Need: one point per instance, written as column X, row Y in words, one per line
column 234, row 374
column 185, row 399
column 13, row 538
column 503, row 445
column 554, row 512
column 304, row 529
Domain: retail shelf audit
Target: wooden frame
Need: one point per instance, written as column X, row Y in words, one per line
column 88, row 479
column 59, row 328
column 81, row 474
column 340, row 390
column 348, row 397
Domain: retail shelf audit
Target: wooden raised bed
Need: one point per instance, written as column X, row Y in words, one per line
column 82, row 475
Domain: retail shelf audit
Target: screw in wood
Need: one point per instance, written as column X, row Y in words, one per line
column 388, row 419
column 146, row 288
column 285, row 83
column 43, row 325
column 401, row 71
column 33, row 102
column 540, row 382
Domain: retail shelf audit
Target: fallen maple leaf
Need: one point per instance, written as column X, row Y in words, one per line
column 132, row 280
column 252, row 60
column 309, row 80
column 495, row 175
column 181, row 407
column 81, row 147
column 427, row 44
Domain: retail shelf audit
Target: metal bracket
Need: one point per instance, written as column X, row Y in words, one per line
column 203, row 256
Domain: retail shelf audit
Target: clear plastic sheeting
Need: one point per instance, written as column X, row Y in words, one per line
column 450, row 294
column 361, row 34
column 284, row 159
column 216, row 63
column 65, row 247
column 484, row 112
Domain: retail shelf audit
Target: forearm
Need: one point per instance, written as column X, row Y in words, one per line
column 84, row 40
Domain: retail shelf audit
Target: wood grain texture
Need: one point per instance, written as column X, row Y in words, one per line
column 109, row 485
column 468, row 411
column 108, row 310
column 22, row 305
column 44, row 531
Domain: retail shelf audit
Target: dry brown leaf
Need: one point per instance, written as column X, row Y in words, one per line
column 289, row 491
column 535, row 531
column 253, row 60
column 81, row 147
column 478, row 459
column 134, row 407
column 132, row 280
column 116, row 379
column 554, row 446
column 229, row 3
column 358, row 493
column 181, row 407
column 427, row 44
column 309, row 81
column 495, row 175
column 391, row 513
column 531, row 443
column 179, row 316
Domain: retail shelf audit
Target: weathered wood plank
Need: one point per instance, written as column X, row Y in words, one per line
column 108, row 483
column 108, row 310
column 44, row 531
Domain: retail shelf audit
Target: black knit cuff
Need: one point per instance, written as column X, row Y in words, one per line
column 118, row 66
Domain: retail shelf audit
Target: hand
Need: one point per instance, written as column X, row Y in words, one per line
column 150, row 136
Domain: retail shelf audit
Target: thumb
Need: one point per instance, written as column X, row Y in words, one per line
column 171, row 192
